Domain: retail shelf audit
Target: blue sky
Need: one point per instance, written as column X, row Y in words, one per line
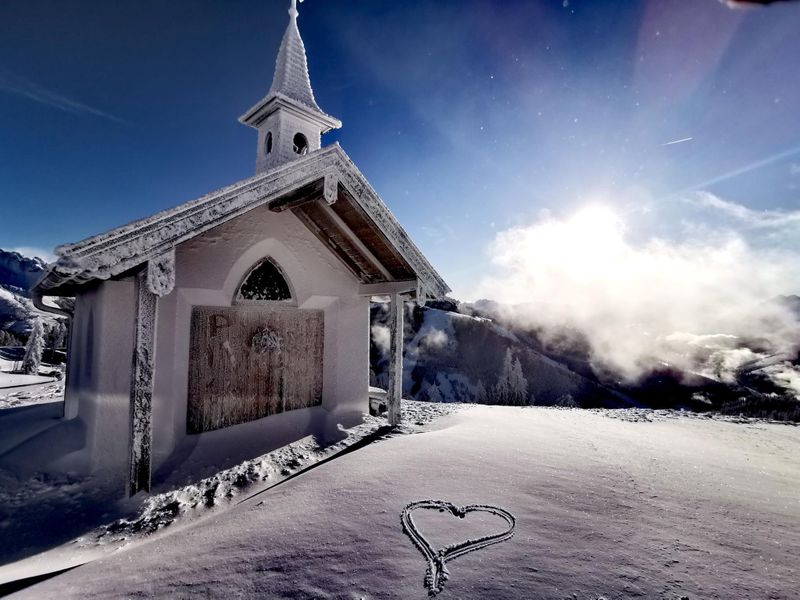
column 469, row 117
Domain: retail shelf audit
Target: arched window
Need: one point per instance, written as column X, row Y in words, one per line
column 264, row 283
column 268, row 143
column 300, row 144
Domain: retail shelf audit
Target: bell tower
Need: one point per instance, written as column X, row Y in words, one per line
column 288, row 120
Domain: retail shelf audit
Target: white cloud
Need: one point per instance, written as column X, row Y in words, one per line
column 31, row 251
column 382, row 337
column 786, row 375
column 759, row 219
column 632, row 298
column 436, row 339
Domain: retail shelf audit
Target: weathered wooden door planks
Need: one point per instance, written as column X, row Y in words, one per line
column 248, row 362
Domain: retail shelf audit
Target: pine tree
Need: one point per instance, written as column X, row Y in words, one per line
column 502, row 390
column 567, row 401
column 33, row 350
column 518, row 385
column 434, row 394
column 61, row 340
column 481, row 395
column 56, row 338
column 14, row 340
column 512, row 387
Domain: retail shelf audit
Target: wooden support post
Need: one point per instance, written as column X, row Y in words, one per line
column 142, row 385
column 395, row 388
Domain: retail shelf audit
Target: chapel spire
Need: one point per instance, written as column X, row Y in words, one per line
column 288, row 119
column 291, row 69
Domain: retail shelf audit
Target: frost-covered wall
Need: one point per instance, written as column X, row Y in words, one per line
column 209, row 269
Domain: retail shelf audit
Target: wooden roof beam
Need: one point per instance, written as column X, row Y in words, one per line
column 297, row 198
column 352, row 263
column 388, row 288
column 356, row 241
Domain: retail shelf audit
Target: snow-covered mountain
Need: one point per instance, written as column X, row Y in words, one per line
column 17, row 274
column 455, row 353
column 454, row 357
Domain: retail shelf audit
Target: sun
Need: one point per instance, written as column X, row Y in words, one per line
column 593, row 239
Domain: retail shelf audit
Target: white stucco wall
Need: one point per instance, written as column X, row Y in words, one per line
column 98, row 390
column 283, row 125
column 209, row 269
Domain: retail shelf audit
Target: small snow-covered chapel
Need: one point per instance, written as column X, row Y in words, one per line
column 248, row 304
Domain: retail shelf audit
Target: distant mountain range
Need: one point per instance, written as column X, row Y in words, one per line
column 455, row 352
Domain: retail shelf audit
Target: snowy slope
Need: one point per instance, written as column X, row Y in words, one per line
column 665, row 509
column 697, row 371
column 16, row 312
column 455, row 352
column 17, row 274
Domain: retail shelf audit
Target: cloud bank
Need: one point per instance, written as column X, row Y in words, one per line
column 697, row 303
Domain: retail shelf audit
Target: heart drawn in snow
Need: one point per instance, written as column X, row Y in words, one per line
column 437, row 572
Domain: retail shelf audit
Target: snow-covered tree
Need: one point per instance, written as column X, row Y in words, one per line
column 433, row 393
column 518, row 385
column 567, row 401
column 502, row 389
column 481, row 395
column 56, row 335
column 33, row 350
column 9, row 339
column 512, row 387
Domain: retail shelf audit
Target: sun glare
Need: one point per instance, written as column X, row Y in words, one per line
column 596, row 223
column 592, row 238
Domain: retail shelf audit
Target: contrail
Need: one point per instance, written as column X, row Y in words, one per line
column 746, row 169
column 678, row 141
column 18, row 85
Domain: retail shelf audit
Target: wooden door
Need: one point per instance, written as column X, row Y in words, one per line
column 248, row 362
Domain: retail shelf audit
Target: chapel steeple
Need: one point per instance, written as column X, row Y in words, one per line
column 289, row 121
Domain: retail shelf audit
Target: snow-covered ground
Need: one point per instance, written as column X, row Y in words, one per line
column 653, row 506
column 19, row 393
column 85, row 520
column 9, row 380
column 18, row 390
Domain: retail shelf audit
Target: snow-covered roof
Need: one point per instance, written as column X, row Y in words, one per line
column 324, row 189
column 291, row 69
column 291, row 83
